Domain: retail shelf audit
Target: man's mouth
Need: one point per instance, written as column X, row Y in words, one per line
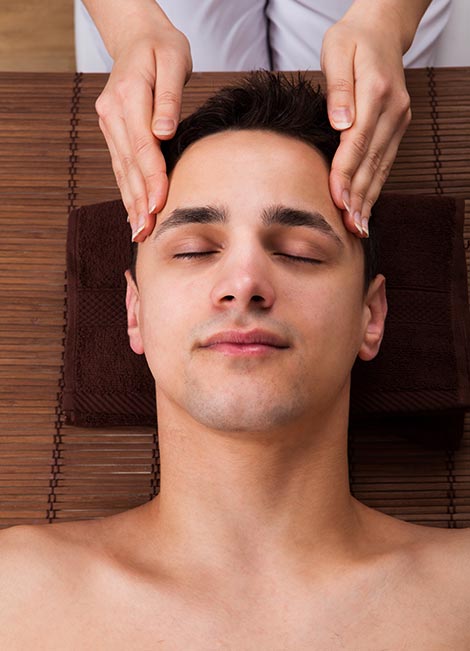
column 252, row 343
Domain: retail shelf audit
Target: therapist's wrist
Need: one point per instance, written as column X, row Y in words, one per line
column 149, row 27
column 121, row 22
column 397, row 18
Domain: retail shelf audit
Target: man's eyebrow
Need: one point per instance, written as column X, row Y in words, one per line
column 193, row 215
column 285, row 216
column 273, row 215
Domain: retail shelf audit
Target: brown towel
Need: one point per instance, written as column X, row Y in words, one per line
column 423, row 364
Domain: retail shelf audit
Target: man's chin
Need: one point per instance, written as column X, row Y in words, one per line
column 244, row 406
column 248, row 423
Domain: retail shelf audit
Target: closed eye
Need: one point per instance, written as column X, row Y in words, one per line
column 194, row 254
column 288, row 258
column 297, row 258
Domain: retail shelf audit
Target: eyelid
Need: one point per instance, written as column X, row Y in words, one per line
column 299, row 258
column 291, row 258
column 302, row 247
column 192, row 254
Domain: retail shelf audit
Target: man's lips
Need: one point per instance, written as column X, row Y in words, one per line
column 254, row 342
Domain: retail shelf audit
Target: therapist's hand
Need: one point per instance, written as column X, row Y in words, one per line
column 139, row 106
column 362, row 62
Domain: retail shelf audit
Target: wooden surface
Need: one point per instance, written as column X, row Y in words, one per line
column 37, row 36
column 52, row 158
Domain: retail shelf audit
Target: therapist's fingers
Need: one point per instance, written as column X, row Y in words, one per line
column 337, row 64
column 126, row 171
column 142, row 160
column 369, row 61
column 365, row 190
column 337, row 58
column 373, row 188
column 365, row 162
column 173, row 71
column 126, row 101
column 376, row 164
column 126, row 112
column 154, row 116
column 354, row 146
column 363, row 157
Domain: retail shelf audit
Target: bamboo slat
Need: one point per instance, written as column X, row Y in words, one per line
column 53, row 158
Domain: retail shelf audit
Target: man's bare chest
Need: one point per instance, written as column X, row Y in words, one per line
column 172, row 626
column 94, row 604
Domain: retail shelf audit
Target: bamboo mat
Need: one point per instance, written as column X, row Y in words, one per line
column 53, row 158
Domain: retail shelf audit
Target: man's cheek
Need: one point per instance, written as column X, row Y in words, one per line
column 160, row 353
column 331, row 322
column 164, row 321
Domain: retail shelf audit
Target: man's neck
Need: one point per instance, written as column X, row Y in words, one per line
column 256, row 501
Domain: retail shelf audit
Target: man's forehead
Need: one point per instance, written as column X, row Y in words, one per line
column 193, row 197
column 249, row 140
column 249, row 161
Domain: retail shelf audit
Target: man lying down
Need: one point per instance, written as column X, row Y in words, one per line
column 251, row 302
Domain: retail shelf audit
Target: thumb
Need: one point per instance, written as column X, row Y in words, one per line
column 338, row 68
column 167, row 101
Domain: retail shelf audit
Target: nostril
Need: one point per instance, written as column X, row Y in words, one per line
column 257, row 298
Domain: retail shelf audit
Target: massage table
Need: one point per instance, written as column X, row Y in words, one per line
column 53, row 158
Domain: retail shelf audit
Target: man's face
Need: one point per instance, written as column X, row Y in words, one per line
column 249, row 187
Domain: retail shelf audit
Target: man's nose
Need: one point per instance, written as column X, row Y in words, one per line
column 245, row 279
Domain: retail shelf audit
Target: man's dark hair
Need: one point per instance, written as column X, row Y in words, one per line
column 269, row 101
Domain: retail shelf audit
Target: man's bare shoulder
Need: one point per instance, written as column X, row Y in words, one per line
column 26, row 578
column 437, row 564
column 446, row 553
column 45, row 549
column 435, row 560
column 23, row 549
column 37, row 538
column 37, row 569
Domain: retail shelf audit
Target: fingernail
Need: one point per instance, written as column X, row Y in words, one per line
column 140, row 226
column 152, row 203
column 128, row 220
column 357, row 221
column 341, row 118
column 365, row 225
column 136, row 232
column 346, row 200
column 164, row 126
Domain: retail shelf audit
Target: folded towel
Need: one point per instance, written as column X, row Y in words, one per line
column 423, row 364
column 424, row 358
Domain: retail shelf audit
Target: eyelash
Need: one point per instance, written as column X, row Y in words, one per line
column 289, row 258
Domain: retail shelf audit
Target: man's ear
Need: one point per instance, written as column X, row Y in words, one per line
column 375, row 311
column 132, row 305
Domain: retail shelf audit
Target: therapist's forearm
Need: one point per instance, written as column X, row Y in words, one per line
column 119, row 20
column 402, row 14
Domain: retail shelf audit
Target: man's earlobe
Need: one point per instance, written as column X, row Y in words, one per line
column 132, row 305
column 376, row 311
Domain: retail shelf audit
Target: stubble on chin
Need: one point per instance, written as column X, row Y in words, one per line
column 244, row 405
